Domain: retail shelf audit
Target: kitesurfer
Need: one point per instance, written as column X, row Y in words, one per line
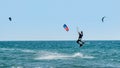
column 79, row 41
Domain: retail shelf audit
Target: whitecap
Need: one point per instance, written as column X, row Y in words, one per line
column 45, row 55
column 16, row 49
column 16, row 67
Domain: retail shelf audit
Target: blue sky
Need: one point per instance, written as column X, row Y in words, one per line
column 44, row 19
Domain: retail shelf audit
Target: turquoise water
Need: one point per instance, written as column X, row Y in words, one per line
column 59, row 54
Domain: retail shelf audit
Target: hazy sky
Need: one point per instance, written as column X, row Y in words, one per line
column 44, row 19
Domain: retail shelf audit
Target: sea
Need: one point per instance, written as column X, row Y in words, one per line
column 60, row 54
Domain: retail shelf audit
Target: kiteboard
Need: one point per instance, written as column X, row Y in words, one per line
column 81, row 43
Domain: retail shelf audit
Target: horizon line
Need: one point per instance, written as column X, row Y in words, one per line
column 68, row 40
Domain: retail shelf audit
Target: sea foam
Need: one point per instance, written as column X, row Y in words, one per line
column 45, row 55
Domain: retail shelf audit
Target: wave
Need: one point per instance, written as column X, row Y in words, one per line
column 16, row 67
column 45, row 55
column 16, row 49
column 82, row 55
column 7, row 49
column 24, row 67
column 27, row 50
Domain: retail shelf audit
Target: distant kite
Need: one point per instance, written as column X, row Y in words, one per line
column 103, row 18
column 10, row 19
column 65, row 27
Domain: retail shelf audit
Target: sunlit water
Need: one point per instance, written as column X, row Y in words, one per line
column 59, row 54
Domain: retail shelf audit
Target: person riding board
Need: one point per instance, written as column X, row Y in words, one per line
column 79, row 41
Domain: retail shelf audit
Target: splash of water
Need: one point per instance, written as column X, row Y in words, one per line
column 44, row 55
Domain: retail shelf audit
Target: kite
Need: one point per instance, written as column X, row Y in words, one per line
column 10, row 19
column 103, row 18
column 65, row 27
